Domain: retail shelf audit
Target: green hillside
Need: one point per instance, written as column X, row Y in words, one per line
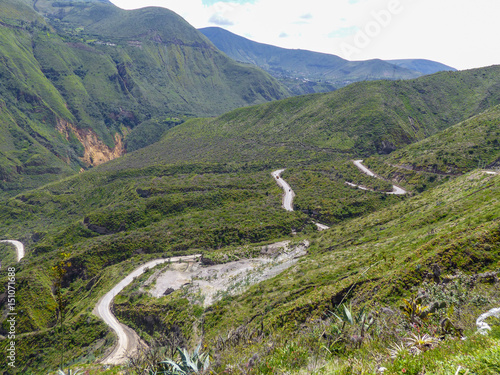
column 460, row 148
column 110, row 222
column 359, row 120
column 87, row 81
column 205, row 197
column 373, row 261
column 78, row 81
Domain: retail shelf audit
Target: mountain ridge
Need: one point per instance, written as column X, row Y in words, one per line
column 78, row 81
column 315, row 66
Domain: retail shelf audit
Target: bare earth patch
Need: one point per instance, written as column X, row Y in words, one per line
column 208, row 284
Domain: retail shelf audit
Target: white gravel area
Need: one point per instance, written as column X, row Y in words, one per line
column 207, row 284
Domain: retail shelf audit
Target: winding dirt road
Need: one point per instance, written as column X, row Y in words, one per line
column 396, row 190
column 128, row 341
column 19, row 248
column 289, row 194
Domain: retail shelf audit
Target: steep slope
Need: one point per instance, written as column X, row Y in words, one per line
column 78, row 81
column 373, row 261
column 314, row 70
column 471, row 144
column 361, row 119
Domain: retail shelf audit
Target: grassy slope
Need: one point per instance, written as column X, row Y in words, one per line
column 361, row 119
column 170, row 210
column 31, row 151
column 97, row 67
column 176, row 65
column 377, row 258
column 459, row 149
column 149, row 209
column 147, row 213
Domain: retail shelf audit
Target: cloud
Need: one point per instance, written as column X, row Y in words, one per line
column 307, row 16
column 219, row 20
column 343, row 32
column 333, row 22
column 212, row 2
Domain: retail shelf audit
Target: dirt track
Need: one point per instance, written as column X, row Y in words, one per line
column 288, row 192
column 128, row 341
column 396, row 190
column 19, row 248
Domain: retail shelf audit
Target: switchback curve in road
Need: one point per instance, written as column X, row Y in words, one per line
column 289, row 194
column 19, row 248
column 128, row 341
column 396, row 190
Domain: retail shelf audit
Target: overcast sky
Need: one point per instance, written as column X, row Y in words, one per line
column 461, row 33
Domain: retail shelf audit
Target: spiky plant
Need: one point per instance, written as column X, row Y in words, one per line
column 360, row 321
column 196, row 363
column 70, row 372
column 422, row 342
column 345, row 315
column 396, row 350
column 414, row 311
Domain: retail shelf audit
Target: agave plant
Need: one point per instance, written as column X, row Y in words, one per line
column 345, row 315
column 196, row 363
column 70, row 372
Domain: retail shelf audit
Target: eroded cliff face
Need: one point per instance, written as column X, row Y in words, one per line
column 96, row 151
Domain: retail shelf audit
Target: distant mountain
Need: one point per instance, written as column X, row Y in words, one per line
column 78, row 76
column 422, row 66
column 318, row 72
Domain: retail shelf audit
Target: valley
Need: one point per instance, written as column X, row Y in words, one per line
column 157, row 197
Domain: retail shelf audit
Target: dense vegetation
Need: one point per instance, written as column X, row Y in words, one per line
column 206, row 187
column 111, row 220
column 78, row 77
column 460, row 148
column 359, row 120
column 288, row 324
